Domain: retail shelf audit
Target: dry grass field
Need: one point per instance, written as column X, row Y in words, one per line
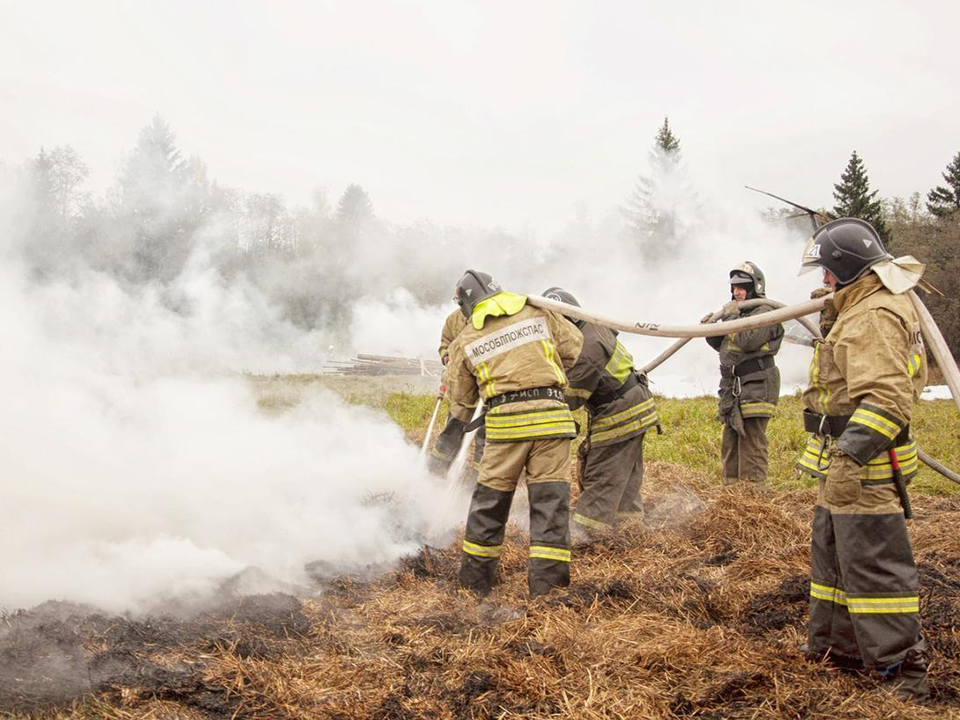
column 697, row 613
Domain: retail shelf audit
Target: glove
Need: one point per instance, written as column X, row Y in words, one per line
column 820, row 292
column 843, row 481
column 706, row 318
column 731, row 309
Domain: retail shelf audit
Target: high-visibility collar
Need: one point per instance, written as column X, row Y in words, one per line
column 503, row 303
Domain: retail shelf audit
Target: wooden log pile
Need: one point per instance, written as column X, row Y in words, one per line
column 366, row 364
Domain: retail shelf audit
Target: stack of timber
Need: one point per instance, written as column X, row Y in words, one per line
column 364, row 364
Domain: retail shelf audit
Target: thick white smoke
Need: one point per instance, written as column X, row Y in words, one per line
column 135, row 470
column 136, row 466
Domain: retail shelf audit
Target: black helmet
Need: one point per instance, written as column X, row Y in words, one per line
column 561, row 295
column 846, row 247
column 747, row 273
column 473, row 287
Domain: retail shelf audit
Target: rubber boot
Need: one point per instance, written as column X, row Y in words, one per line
column 446, row 447
column 483, row 538
column 549, row 536
column 908, row 679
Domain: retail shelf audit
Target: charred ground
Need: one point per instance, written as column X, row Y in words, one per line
column 697, row 614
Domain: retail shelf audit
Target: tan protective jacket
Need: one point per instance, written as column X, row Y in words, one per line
column 452, row 326
column 871, row 367
column 509, row 346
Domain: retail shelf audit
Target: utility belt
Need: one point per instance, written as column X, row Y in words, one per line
column 746, row 367
column 597, row 399
column 834, row 425
column 540, row 393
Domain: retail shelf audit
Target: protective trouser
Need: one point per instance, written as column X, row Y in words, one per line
column 546, row 463
column 745, row 456
column 611, row 479
column 448, row 444
column 863, row 590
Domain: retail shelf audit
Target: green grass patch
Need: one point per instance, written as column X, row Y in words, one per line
column 692, row 433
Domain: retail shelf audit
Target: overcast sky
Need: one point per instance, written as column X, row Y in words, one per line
column 493, row 113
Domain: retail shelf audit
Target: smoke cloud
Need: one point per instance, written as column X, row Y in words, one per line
column 136, row 464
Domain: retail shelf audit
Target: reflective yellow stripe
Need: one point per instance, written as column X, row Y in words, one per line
column 914, row 364
column 625, row 429
column 567, row 429
column 549, row 352
column 759, row 407
column 623, row 415
column 877, row 422
column 620, row 364
column 823, row 392
column 530, row 418
column 490, row 386
column 879, row 468
column 488, row 551
column 578, row 392
column 884, row 605
column 828, row 593
column 590, row 522
column 549, row 553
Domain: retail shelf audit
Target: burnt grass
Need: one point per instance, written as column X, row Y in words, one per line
column 701, row 619
column 58, row 652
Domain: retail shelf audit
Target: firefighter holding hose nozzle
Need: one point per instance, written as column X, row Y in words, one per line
column 865, row 378
column 517, row 356
column 451, row 437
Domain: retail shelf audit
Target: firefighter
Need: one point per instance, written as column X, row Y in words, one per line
column 450, row 439
column 515, row 356
column 620, row 410
column 865, row 377
column 749, row 381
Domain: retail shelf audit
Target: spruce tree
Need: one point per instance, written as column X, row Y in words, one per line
column 650, row 213
column 943, row 201
column 355, row 208
column 155, row 203
column 854, row 198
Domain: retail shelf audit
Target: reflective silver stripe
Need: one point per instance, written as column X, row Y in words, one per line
column 549, row 553
column 590, row 522
column 828, row 593
column 884, row 605
column 488, row 551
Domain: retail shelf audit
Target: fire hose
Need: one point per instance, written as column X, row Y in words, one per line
column 928, row 326
column 745, row 305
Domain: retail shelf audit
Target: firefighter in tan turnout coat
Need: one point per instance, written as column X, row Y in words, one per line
column 749, row 381
column 451, row 437
column 516, row 357
column 864, row 380
column 620, row 410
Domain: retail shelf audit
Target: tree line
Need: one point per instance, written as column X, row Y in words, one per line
column 163, row 217
column 928, row 229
